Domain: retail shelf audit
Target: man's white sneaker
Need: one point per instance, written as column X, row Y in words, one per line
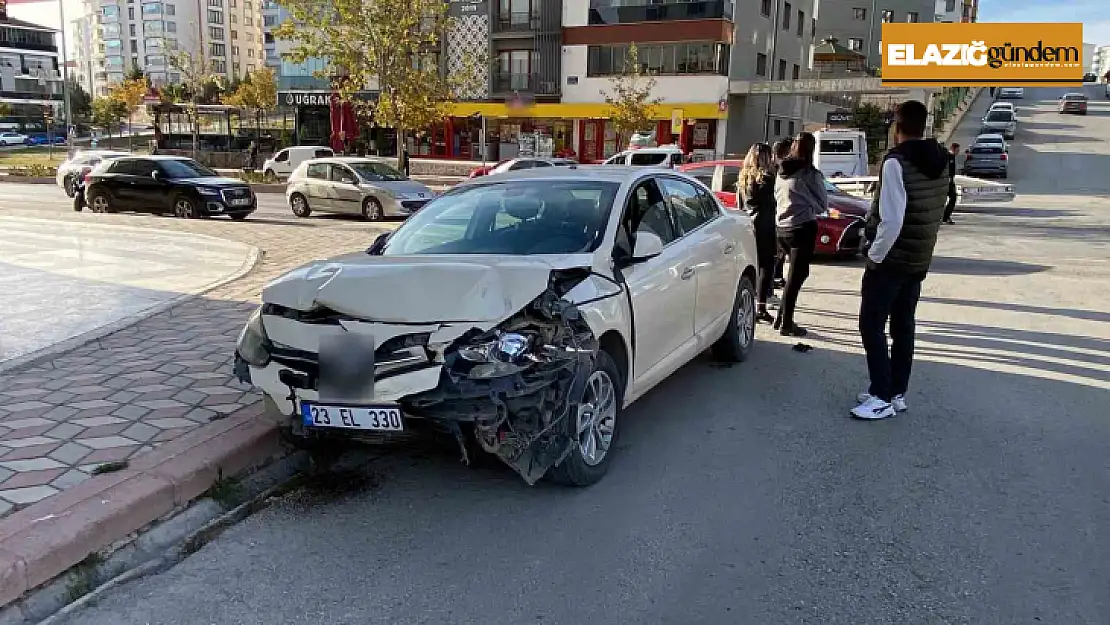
column 898, row 401
column 873, row 409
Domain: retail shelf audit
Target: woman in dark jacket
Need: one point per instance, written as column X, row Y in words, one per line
column 757, row 189
column 800, row 197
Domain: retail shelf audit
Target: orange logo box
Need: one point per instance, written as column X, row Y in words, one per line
column 982, row 55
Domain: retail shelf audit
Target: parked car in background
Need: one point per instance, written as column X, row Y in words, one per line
column 1011, row 93
column 1073, row 103
column 1090, row 77
column 521, row 314
column 839, row 232
column 986, row 159
column 43, row 138
column 356, row 186
column 664, row 156
column 166, row 184
column 282, row 164
column 83, row 162
column 13, row 138
column 516, row 164
column 1002, row 122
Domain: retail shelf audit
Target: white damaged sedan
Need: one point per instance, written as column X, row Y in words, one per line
column 519, row 312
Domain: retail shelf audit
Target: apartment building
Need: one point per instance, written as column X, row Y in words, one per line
column 857, row 24
column 30, row 77
column 118, row 35
column 970, row 13
column 1100, row 65
column 948, row 11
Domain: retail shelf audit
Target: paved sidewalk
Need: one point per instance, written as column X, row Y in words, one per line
column 128, row 392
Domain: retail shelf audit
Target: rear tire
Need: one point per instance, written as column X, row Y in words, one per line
column 735, row 345
column 299, row 205
column 99, row 201
column 372, row 209
column 580, row 468
column 68, row 184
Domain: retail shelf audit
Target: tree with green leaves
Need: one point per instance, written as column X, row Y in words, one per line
column 107, row 111
column 256, row 91
column 630, row 101
column 130, row 94
column 80, row 102
column 391, row 43
column 6, row 109
column 135, row 73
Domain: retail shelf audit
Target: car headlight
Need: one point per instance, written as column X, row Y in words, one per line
column 507, row 354
column 208, row 191
column 253, row 342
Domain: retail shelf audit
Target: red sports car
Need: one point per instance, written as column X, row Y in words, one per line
column 840, row 231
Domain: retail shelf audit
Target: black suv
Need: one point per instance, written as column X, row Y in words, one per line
column 167, row 184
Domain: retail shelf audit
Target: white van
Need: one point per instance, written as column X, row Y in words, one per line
column 841, row 153
column 663, row 156
column 282, row 164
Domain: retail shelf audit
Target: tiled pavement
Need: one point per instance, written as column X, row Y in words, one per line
column 125, row 393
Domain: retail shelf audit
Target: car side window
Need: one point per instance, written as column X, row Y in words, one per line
column 521, row 165
column 616, row 159
column 686, row 204
column 730, row 178
column 282, row 156
column 318, row 171
column 542, row 164
column 143, row 168
column 709, row 208
column 122, row 166
column 704, row 174
column 648, row 158
column 342, row 175
column 323, row 153
column 650, row 212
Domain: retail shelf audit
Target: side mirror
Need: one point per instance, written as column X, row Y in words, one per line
column 376, row 248
column 648, row 246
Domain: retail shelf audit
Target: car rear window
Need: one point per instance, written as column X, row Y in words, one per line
column 838, row 146
column 648, row 158
column 1074, row 97
column 986, row 149
column 1000, row 116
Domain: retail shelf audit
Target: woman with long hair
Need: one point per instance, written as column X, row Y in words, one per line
column 800, row 197
column 757, row 190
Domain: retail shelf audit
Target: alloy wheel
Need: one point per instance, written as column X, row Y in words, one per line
column 184, row 209
column 597, row 418
column 745, row 318
column 372, row 210
column 99, row 204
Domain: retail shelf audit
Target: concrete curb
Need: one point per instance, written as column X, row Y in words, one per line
column 46, row 539
column 254, row 255
column 26, row 179
column 950, row 128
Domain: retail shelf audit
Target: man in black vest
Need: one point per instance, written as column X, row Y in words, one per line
column 902, row 225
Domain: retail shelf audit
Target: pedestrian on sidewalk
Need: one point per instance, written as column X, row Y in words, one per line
column 902, row 224
column 781, row 150
column 757, row 190
column 800, row 197
column 954, row 153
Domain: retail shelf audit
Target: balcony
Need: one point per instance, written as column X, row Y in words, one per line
column 507, row 83
column 29, row 95
column 626, row 12
column 524, row 22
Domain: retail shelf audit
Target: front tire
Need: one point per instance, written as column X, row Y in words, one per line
column 184, row 208
column 372, row 209
column 593, row 423
column 299, row 205
column 735, row 345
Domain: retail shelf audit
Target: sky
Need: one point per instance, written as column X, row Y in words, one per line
column 1095, row 14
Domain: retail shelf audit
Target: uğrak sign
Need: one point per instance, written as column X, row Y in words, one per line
column 462, row 8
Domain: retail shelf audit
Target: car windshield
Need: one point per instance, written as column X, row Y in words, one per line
column 516, row 217
column 999, row 116
column 175, row 168
column 373, row 171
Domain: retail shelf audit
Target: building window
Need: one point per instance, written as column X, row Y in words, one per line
column 110, row 13
column 778, row 127
column 855, row 43
column 782, row 69
column 250, row 53
column 797, row 73
column 786, row 8
column 859, row 14
column 131, row 29
column 791, row 127
column 761, row 64
column 231, row 3
column 248, row 21
column 215, row 32
column 269, row 21
column 801, row 23
column 888, row 16
column 813, row 28
column 156, row 60
column 153, row 29
column 663, row 59
column 250, row 37
column 219, row 67
column 949, row 6
column 248, row 5
column 234, row 34
column 152, row 8
column 134, row 46
column 234, row 18
column 215, row 17
column 234, row 50
column 219, row 4
column 912, row 18
column 171, row 27
column 130, row 13
column 217, row 49
column 170, row 9
column 765, row 8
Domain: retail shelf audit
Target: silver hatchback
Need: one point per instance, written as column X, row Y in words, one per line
column 358, row 186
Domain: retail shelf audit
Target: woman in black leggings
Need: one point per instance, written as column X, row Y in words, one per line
column 800, row 196
column 757, row 189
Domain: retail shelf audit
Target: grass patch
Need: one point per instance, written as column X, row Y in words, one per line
column 33, row 156
column 227, row 492
column 84, row 577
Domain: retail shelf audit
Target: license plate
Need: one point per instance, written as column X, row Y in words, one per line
column 241, row 202
column 375, row 418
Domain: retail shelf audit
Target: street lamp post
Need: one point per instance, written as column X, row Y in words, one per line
column 65, row 79
column 771, row 68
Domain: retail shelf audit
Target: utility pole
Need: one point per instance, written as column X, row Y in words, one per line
column 772, row 63
column 871, row 32
column 65, row 79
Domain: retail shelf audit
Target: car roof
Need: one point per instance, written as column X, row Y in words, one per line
column 989, row 136
column 1075, row 95
column 592, row 173
column 159, row 157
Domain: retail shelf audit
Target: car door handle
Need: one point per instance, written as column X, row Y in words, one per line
column 730, row 248
column 687, row 273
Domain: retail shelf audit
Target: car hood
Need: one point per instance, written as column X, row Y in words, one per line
column 418, row 289
column 212, row 182
column 856, row 207
column 403, row 187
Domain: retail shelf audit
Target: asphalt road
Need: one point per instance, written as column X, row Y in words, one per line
column 747, row 495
